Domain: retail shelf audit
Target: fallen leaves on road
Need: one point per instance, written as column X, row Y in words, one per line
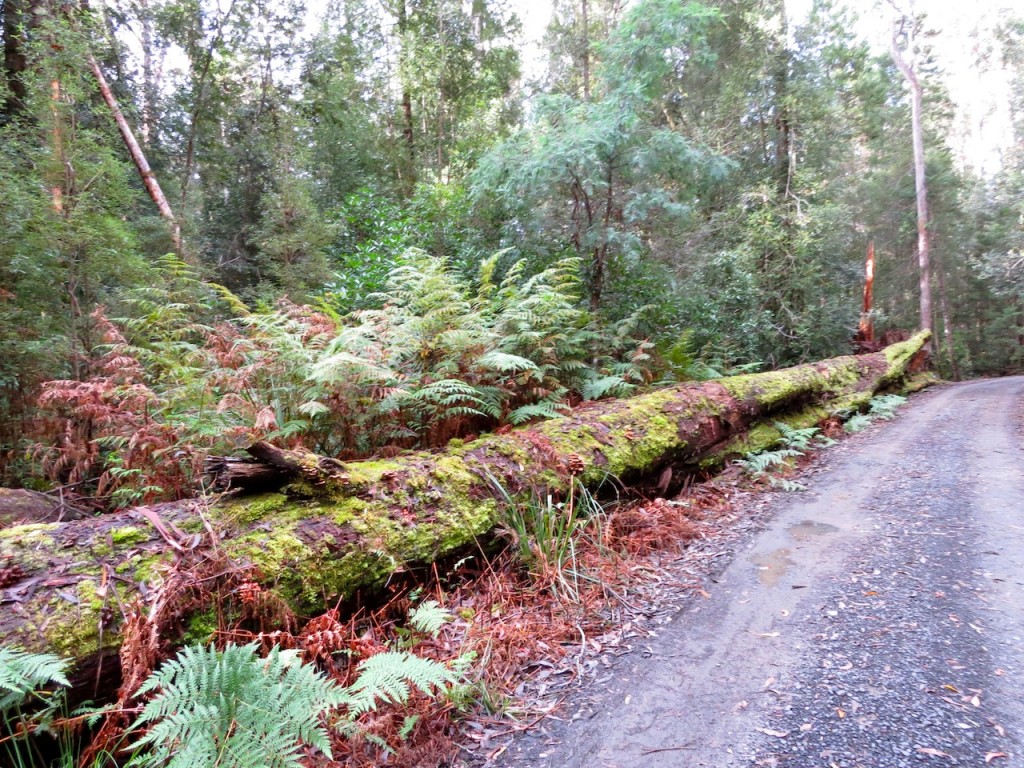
column 933, row 752
column 777, row 734
column 990, row 756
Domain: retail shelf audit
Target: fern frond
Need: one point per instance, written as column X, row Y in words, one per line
column 603, row 386
column 428, row 617
column 759, row 463
column 546, row 409
column 234, row 708
column 857, row 423
column 22, row 673
column 884, row 406
column 506, row 363
column 797, row 439
column 390, row 677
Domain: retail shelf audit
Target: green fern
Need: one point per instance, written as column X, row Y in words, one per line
column 23, row 673
column 545, row 409
column 232, row 709
column 28, row 705
column 796, row 439
column 391, row 676
column 857, row 423
column 784, row 484
column 794, row 443
column 884, row 406
column 604, row 386
column 758, row 464
column 428, row 617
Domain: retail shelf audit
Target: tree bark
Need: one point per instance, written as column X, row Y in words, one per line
column 408, row 132
column 920, row 179
column 17, row 16
column 337, row 529
column 865, row 338
column 947, row 326
column 585, row 47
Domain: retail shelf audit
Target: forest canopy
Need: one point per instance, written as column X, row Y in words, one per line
column 366, row 230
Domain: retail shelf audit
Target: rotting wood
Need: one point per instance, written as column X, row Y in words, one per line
column 338, row 529
column 864, row 340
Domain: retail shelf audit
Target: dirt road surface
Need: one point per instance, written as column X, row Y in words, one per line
column 877, row 621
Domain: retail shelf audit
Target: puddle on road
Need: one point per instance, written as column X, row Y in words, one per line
column 809, row 529
column 773, row 566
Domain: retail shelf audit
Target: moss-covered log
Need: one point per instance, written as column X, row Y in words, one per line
column 64, row 586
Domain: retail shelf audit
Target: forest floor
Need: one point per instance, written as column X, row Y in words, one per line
column 875, row 619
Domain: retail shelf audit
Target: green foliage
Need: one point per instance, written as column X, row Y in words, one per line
column 428, row 617
column 22, row 673
column 232, row 708
column 881, row 407
column 884, row 406
column 28, row 703
column 392, row 676
column 598, row 172
column 545, row 536
column 793, row 443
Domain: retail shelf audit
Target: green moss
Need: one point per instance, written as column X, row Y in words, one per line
column 200, row 627
column 31, row 546
column 129, row 565
column 348, row 510
column 278, row 554
column 33, row 534
column 147, row 568
column 128, row 535
column 763, row 436
column 73, row 629
column 250, row 510
column 192, row 525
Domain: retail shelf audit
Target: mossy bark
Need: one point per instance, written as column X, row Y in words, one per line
column 63, row 586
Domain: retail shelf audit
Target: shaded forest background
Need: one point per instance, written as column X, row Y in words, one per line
column 389, row 238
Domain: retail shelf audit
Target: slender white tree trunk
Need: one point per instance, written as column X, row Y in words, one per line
column 920, row 180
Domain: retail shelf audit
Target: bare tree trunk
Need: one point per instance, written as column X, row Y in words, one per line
column 440, row 89
column 408, row 132
column 17, row 15
column 947, row 326
column 599, row 259
column 200, row 90
column 585, row 45
column 138, row 157
column 920, row 180
column 783, row 126
column 63, row 182
column 149, row 87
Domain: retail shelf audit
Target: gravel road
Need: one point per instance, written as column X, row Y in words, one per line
column 877, row 621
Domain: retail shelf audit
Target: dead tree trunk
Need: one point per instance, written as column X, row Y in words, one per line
column 865, row 339
column 138, row 156
column 336, row 529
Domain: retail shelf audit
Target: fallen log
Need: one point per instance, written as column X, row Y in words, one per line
column 339, row 528
column 19, row 507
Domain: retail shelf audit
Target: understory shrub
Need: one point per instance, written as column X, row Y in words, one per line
column 440, row 357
